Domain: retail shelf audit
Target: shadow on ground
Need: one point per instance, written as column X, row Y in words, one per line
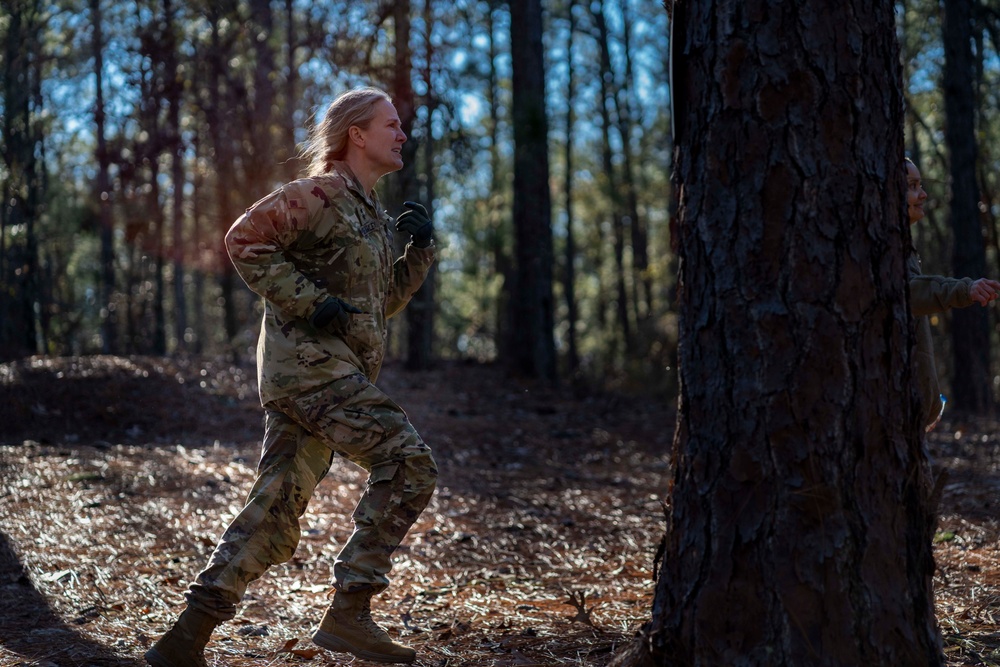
column 33, row 632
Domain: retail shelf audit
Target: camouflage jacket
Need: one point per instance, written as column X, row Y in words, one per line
column 309, row 240
column 930, row 295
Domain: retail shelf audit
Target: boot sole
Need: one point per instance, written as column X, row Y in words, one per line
column 154, row 658
column 334, row 643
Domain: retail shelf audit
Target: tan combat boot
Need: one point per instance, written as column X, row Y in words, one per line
column 184, row 643
column 348, row 626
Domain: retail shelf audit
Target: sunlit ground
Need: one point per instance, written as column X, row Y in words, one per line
column 536, row 550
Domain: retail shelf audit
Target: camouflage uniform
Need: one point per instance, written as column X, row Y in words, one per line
column 930, row 295
column 310, row 240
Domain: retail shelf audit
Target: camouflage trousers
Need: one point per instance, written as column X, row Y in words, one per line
column 350, row 417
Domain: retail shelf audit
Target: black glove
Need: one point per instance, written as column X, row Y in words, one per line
column 333, row 314
column 417, row 222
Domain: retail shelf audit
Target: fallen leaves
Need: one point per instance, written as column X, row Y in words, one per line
column 536, row 550
column 110, row 530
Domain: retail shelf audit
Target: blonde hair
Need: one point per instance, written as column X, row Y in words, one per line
column 328, row 140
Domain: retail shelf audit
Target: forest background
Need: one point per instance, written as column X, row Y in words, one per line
column 135, row 133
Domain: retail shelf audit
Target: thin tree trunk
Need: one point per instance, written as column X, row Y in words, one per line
column 102, row 196
column 176, row 143
column 158, row 257
column 197, row 221
column 497, row 223
column 569, row 275
column 221, row 142
column 970, row 385
column 39, row 185
column 21, row 282
column 614, row 192
column 531, row 306
column 800, row 520
column 260, row 163
column 420, row 311
column 642, row 288
column 291, row 89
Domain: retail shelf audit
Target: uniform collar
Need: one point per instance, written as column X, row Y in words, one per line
column 354, row 185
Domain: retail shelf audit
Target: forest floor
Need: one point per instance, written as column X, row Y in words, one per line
column 118, row 474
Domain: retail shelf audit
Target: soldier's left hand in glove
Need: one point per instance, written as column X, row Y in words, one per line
column 334, row 314
column 417, row 222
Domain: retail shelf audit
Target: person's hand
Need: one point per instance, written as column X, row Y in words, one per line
column 417, row 222
column 334, row 315
column 984, row 290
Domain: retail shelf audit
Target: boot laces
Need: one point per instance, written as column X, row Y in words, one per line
column 368, row 623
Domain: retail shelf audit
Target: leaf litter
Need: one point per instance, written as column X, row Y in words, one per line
column 117, row 475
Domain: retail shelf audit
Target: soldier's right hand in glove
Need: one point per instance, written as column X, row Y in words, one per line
column 334, row 315
column 417, row 222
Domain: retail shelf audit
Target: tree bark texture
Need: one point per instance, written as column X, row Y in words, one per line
column 800, row 521
column 531, row 301
column 970, row 385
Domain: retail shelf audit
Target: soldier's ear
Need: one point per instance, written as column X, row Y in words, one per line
column 356, row 136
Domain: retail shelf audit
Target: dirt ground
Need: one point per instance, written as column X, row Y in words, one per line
column 117, row 475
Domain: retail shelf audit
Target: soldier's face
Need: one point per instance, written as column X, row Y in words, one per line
column 384, row 139
column 915, row 194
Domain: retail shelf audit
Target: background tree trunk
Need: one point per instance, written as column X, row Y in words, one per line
column 800, row 522
column 569, row 257
column 23, row 179
column 102, row 194
column 420, row 311
column 174, row 93
column 222, row 147
column 531, row 305
column 970, row 326
column 498, row 230
column 618, row 221
column 291, row 165
column 642, row 284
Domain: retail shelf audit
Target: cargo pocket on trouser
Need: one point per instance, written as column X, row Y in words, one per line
column 339, row 414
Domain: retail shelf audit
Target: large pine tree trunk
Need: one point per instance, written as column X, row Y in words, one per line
column 799, row 532
column 531, row 303
column 970, row 326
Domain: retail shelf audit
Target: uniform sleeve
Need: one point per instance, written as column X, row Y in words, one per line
column 936, row 294
column 408, row 274
column 260, row 245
